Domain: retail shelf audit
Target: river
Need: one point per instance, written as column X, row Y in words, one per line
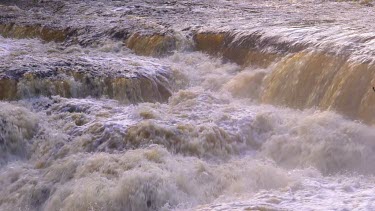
column 187, row 105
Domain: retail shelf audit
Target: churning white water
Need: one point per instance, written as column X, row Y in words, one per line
column 91, row 124
column 212, row 146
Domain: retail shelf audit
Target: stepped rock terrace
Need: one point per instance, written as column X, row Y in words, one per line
column 147, row 105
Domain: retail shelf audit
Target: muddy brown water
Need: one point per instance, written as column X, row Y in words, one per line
column 187, row 105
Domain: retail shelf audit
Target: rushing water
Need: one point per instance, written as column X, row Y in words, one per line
column 261, row 122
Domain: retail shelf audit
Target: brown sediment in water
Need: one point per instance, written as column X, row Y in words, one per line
column 215, row 138
column 329, row 82
column 155, row 44
column 248, row 50
column 79, row 85
column 300, row 78
column 45, row 33
column 151, row 45
column 8, row 88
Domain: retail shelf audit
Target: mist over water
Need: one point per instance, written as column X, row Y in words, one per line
column 228, row 118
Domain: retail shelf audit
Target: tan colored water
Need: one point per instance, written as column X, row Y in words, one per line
column 190, row 105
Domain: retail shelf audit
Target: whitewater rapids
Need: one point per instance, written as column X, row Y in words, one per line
column 168, row 105
column 210, row 147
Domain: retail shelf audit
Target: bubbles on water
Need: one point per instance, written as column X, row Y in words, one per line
column 209, row 142
column 17, row 127
column 310, row 194
column 136, row 180
column 247, row 83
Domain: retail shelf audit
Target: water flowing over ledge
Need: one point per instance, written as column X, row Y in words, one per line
column 186, row 105
column 305, row 47
column 76, row 74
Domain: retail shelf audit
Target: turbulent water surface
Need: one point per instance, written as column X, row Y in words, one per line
column 187, row 105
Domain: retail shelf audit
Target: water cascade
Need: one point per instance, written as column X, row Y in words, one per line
column 187, row 105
